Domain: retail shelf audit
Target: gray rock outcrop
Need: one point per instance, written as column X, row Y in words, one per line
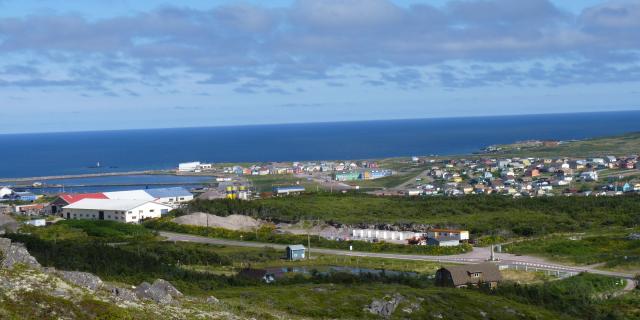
column 386, row 306
column 15, row 253
column 121, row 293
column 82, row 279
column 161, row 291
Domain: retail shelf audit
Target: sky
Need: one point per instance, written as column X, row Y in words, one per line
column 80, row 65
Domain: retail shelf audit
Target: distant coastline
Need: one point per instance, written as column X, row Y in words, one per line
column 62, row 154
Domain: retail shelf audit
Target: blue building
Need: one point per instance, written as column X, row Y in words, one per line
column 296, row 252
column 25, row 196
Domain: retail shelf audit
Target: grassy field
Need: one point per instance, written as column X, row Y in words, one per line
column 323, row 261
column 388, row 182
column 614, row 250
column 346, row 301
column 266, row 183
column 621, row 145
column 482, row 215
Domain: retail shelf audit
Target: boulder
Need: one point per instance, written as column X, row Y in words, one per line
column 386, row 306
column 15, row 253
column 161, row 291
column 212, row 299
column 166, row 286
column 82, row 279
column 122, row 293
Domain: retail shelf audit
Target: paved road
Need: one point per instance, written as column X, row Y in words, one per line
column 476, row 256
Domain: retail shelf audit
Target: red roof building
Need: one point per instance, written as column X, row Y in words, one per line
column 72, row 198
column 66, row 199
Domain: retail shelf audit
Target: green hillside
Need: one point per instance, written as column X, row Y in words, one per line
column 621, row 145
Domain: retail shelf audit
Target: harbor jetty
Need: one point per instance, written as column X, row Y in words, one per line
column 85, row 175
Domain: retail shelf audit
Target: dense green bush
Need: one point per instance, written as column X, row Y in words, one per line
column 141, row 260
column 482, row 215
column 579, row 296
column 614, row 249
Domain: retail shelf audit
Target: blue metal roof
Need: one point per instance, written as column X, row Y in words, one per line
column 291, row 188
column 168, row 192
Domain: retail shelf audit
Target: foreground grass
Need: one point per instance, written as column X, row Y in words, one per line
column 345, row 301
column 312, row 296
column 322, row 262
column 614, row 251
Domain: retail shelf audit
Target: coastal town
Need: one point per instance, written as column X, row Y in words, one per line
column 437, row 176
column 418, row 176
column 320, row 159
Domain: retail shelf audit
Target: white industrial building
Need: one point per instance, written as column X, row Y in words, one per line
column 371, row 234
column 189, row 166
column 129, row 195
column 195, row 166
column 170, row 196
column 129, row 211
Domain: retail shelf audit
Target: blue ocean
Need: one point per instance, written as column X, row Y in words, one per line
column 28, row 155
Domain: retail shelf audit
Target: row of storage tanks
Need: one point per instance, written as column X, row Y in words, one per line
column 237, row 192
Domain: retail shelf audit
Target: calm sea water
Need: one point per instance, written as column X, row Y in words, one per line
column 25, row 155
column 119, row 183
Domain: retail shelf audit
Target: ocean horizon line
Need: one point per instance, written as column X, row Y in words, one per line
column 324, row 122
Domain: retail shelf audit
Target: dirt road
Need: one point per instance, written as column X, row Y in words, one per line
column 476, row 256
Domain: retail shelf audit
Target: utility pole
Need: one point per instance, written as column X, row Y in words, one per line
column 309, row 245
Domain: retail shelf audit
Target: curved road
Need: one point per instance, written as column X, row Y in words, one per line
column 476, row 256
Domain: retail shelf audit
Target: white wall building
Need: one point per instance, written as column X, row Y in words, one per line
column 189, row 166
column 130, row 195
column 370, row 234
column 170, row 196
column 129, row 211
column 460, row 235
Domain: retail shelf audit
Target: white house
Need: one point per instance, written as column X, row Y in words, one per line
column 5, row 191
column 589, row 176
column 129, row 211
column 460, row 235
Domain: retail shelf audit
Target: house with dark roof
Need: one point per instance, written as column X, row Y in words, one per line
column 469, row 275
